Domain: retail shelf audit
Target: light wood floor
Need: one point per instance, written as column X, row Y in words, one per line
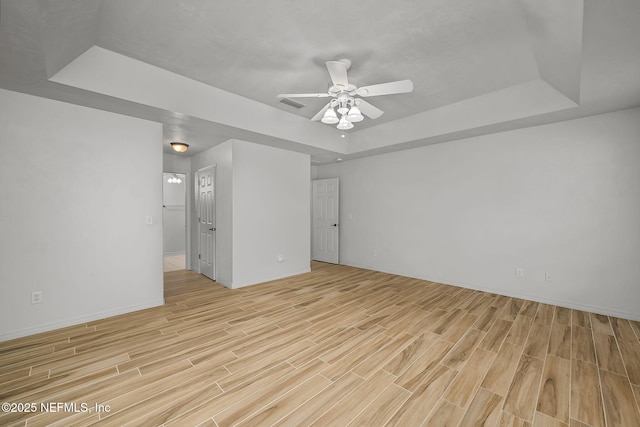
column 338, row 346
column 173, row 262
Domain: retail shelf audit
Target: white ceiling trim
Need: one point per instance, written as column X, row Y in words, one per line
column 109, row 73
column 515, row 102
column 209, row 71
column 102, row 71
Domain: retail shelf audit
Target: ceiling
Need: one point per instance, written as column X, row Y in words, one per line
column 209, row 71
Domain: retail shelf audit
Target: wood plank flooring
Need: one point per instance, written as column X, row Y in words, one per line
column 334, row 347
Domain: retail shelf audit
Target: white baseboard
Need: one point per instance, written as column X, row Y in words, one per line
column 224, row 283
column 5, row 336
column 607, row 311
column 236, row 286
column 174, row 253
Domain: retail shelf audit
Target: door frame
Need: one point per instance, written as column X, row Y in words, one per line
column 336, row 225
column 187, row 219
column 196, row 191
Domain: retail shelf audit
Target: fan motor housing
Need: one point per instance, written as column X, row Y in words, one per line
column 336, row 91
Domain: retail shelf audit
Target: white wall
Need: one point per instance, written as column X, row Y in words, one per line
column 177, row 163
column 262, row 211
column 271, row 211
column 77, row 185
column 562, row 198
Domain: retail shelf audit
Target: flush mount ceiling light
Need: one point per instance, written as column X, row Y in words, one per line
column 344, row 97
column 180, row 147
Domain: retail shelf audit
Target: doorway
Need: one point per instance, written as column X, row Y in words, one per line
column 174, row 221
column 325, row 220
column 206, row 209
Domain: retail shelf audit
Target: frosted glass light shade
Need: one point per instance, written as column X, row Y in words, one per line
column 180, row 147
column 344, row 124
column 329, row 117
column 355, row 115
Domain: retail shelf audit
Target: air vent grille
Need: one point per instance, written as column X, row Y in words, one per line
column 292, row 103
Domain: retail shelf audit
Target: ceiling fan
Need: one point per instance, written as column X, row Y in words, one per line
column 347, row 98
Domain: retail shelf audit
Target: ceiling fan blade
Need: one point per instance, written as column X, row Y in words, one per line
column 303, row 95
column 320, row 113
column 338, row 73
column 402, row 86
column 368, row 110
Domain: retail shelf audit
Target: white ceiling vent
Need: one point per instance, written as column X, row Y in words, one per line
column 291, row 103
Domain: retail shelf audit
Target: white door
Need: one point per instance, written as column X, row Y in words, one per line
column 325, row 220
column 206, row 221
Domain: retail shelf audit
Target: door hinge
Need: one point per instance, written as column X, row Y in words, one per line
column 199, row 256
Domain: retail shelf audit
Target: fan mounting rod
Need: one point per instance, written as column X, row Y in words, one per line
column 346, row 62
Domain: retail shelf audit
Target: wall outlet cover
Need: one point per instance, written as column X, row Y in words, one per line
column 36, row 297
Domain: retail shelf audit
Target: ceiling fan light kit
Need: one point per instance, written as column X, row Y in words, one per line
column 354, row 115
column 344, row 124
column 344, row 97
column 330, row 117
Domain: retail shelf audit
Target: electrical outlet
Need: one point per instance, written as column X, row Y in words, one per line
column 519, row 272
column 547, row 277
column 280, row 258
column 36, row 297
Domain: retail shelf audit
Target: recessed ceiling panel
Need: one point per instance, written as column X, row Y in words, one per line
column 452, row 49
column 476, row 66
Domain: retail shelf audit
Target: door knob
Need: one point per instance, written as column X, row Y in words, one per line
column 211, row 229
column 334, row 225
